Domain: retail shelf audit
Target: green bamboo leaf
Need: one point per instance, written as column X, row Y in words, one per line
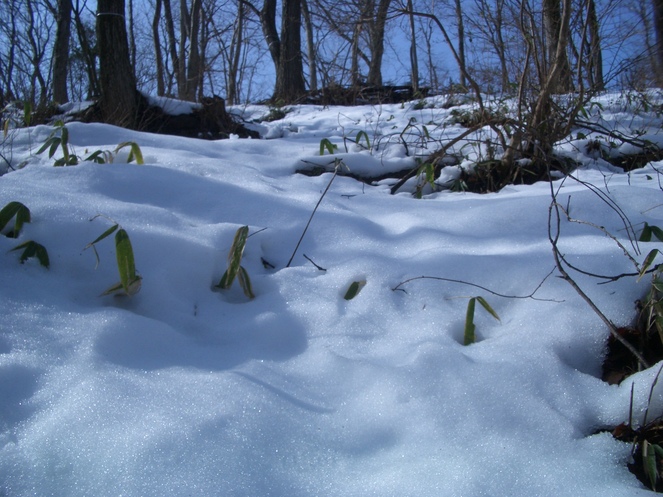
column 326, row 144
column 224, row 283
column 33, row 249
column 113, row 290
column 430, row 174
column 649, row 463
column 105, row 234
column 354, row 288
column 657, row 232
column 46, row 144
column 245, row 282
column 645, row 236
column 469, row 335
column 235, row 257
column 97, row 156
column 647, row 263
column 55, row 143
column 135, row 152
column 27, row 114
column 658, row 450
column 125, row 260
column 365, row 135
column 10, row 210
column 487, row 307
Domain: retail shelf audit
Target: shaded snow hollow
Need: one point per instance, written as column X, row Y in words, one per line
column 184, row 391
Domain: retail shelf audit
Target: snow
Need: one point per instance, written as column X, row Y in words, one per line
column 181, row 390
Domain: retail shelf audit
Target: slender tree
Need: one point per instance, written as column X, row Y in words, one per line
column 61, row 51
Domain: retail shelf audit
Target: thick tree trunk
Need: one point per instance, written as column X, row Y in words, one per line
column 119, row 97
column 290, row 83
column 377, row 44
column 61, row 51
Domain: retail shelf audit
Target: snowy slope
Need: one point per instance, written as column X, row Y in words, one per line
column 181, row 390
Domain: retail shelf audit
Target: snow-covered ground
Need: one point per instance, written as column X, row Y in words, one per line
column 181, row 390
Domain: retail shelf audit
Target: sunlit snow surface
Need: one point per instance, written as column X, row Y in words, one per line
column 181, row 390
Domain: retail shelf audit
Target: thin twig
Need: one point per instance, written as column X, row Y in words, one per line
column 451, row 280
column 336, row 169
column 319, row 268
column 555, row 210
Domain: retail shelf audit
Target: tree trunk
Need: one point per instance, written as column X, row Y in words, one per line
column 119, row 97
column 158, row 56
column 556, row 47
column 89, row 53
column 461, row 41
column 268, row 24
column 658, row 27
column 232, row 91
column 61, row 51
column 310, row 47
column 290, row 83
column 377, row 44
column 194, row 66
column 172, row 43
column 595, row 56
column 132, row 36
column 37, row 52
column 414, row 61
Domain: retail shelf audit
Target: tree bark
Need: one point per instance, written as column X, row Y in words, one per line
column 119, row 97
column 172, row 43
column 89, row 53
column 557, row 60
column 61, row 51
column 595, row 56
column 290, row 83
column 268, row 24
column 310, row 47
column 461, row 41
column 158, row 56
column 658, row 27
column 232, row 91
column 377, row 43
column 194, row 73
column 414, row 61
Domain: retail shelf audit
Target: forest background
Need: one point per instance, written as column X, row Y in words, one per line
column 248, row 51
